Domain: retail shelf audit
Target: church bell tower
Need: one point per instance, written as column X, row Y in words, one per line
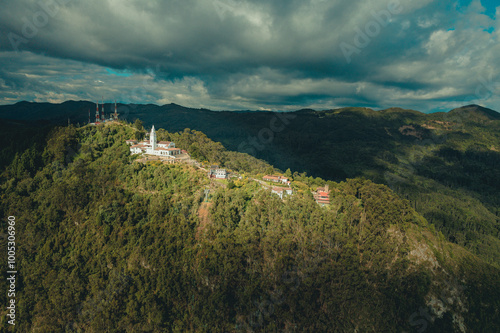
column 152, row 138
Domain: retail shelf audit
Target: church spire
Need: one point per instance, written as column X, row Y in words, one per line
column 152, row 138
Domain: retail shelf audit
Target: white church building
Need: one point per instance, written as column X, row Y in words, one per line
column 151, row 147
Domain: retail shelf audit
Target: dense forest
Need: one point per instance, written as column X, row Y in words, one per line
column 446, row 164
column 110, row 244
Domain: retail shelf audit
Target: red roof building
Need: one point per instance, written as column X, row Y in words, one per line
column 274, row 179
column 322, row 195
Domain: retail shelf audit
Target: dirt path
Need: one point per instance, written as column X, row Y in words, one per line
column 204, row 216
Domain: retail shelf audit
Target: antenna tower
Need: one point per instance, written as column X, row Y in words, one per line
column 102, row 110
column 97, row 113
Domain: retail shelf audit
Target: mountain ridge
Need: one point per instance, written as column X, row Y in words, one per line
column 125, row 238
column 470, row 107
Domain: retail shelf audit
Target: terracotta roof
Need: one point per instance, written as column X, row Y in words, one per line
column 322, row 197
column 173, row 149
column 272, row 177
column 165, row 142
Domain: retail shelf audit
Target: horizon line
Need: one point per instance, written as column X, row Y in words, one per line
column 248, row 110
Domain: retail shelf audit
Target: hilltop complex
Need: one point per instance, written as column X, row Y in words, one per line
column 151, row 147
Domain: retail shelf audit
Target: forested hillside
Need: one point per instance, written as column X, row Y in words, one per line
column 446, row 164
column 109, row 244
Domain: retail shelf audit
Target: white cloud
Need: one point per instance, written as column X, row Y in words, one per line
column 426, row 22
column 439, row 42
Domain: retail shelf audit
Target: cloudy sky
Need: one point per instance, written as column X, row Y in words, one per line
column 426, row 55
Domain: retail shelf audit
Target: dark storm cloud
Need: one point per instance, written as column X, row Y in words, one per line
column 248, row 54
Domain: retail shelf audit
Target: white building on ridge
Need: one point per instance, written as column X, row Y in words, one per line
column 151, row 147
column 216, row 172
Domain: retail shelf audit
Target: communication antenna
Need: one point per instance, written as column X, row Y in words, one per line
column 102, row 110
column 97, row 113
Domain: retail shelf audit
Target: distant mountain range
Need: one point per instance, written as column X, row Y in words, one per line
column 77, row 111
